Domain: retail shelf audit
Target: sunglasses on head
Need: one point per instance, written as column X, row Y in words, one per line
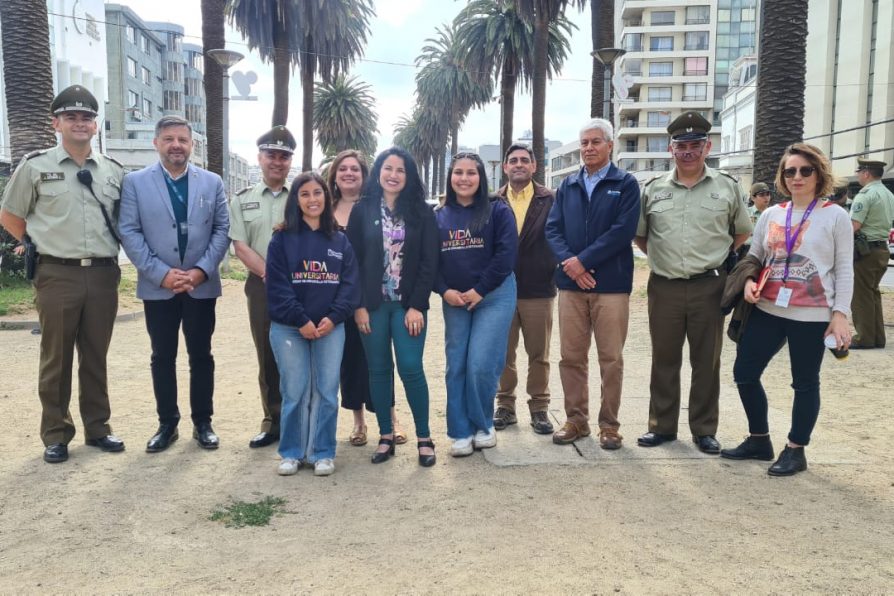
column 805, row 171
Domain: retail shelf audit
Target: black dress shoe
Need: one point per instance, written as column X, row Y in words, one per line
column 55, row 453
column 791, row 461
column 262, row 439
column 205, row 437
column 426, row 461
column 162, row 439
column 382, row 456
column 109, row 443
column 707, row 444
column 651, row 439
column 753, row 447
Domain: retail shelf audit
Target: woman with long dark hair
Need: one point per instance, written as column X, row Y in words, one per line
column 347, row 175
column 478, row 242
column 312, row 287
column 802, row 298
column 394, row 235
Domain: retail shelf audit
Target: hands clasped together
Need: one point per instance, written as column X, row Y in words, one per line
column 179, row 281
column 574, row 269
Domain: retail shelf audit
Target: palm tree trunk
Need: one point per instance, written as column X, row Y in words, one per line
column 426, row 171
column 281, row 62
column 782, row 58
column 27, row 73
column 435, row 174
column 538, row 95
column 454, row 140
column 213, row 39
column 307, row 112
column 602, row 18
column 442, row 159
column 508, row 79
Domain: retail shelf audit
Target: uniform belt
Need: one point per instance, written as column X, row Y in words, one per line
column 704, row 274
column 877, row 243
column 91, row 262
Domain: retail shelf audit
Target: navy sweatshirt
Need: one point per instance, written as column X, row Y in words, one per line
column 481, row 260
column 311, row 276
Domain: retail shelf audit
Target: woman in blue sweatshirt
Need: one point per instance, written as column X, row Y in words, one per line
column 478, row 242
column 312, row 287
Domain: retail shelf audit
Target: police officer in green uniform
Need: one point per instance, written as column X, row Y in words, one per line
column 872, row 212
column 253, row 213
column 690, row 220
column 66, row 199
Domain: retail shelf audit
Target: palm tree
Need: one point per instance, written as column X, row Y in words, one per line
column 344, row 116
column 28, row 75
column 602, row 20
column 540, row 13
column 782, row 59
column 407, row 135
column 493, row 40
column 212, row 39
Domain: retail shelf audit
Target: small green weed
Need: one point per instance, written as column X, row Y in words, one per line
column 239, row 514
column 16, row 294
column 236, row 270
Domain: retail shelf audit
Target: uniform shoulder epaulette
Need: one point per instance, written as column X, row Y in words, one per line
column 243, row 191
column 728, row 175
column 652, row 179
column 113, row 160
column 35, row 153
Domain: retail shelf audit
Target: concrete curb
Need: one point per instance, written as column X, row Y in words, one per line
column 32, row 325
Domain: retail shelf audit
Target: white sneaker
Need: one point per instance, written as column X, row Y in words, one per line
column 462, row 447
column 485, row 440
column 324, row 467
column 288, row 467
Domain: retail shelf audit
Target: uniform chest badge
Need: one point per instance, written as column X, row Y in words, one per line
column 664, row 196
column 251, row 205
column 51, row 176
column 715, row 195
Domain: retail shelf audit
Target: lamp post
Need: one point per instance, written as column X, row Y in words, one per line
column 607, row 57
column 226, row 59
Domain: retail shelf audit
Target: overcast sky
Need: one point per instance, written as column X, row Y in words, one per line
column 398, row 32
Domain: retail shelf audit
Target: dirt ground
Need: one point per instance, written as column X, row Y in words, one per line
column 617, row 523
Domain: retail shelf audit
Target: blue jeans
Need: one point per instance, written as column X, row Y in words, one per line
column 476, row 354
column 387, row 327
column 764, row 336
column 309, row 385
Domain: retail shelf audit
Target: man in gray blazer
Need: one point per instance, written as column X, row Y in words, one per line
column 174, row 224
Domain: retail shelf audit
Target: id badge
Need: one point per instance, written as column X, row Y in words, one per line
column 184, row 228
column 785, row 294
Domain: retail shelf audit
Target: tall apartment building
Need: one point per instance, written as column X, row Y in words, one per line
column 679, row 55
column 850, row 81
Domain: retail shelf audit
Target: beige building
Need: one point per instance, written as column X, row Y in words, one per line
column 850, row 81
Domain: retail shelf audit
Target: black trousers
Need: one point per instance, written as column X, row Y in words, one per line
column 164, row 319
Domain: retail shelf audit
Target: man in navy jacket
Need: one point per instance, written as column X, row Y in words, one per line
column 590, row 229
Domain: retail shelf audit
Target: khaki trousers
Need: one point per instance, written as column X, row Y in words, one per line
column 76, row 307
column 268, row 373
column 606, row 317
column 866, row 305
column 685, row 310
column 534, row 320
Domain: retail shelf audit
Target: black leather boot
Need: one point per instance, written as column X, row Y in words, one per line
column 791, row 461
column 753, row 447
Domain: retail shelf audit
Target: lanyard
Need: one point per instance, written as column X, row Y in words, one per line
column 791, row 239
column 173, row 187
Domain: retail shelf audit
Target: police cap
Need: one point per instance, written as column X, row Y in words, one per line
column 277, row 138
column 759, row 187
column 74, row 99
column 689, row 126
column 865, row 162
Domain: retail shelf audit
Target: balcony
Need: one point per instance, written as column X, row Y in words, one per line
column 700, row 72
column 704, row 21
column 633, row 47
column 696, row 47
column 695, row 98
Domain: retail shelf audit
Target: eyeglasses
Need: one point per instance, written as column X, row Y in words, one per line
column 805, row 171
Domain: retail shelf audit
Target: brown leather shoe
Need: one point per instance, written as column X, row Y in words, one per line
column 569, row 433
column 610, row 439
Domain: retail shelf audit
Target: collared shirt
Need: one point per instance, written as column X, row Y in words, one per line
column 520, row 201
column 62, row 217
column 253, row 213
column 689, row 230
column 171, row 176
column 591, row 180
column 872, row 208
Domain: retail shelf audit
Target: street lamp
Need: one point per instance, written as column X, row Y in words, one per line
column 607, row 57
column 226, row 59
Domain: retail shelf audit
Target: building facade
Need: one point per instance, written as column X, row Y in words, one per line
column 736, row 150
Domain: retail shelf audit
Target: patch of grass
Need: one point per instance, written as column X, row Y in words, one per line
column 16, row 294
column 239, row 514
column 237, row 270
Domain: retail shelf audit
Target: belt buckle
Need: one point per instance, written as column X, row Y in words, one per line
column 86, row 262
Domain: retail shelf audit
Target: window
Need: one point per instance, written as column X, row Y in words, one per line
column 662, row 44
column 198, row 62
column 658, row 119
column 725, row 144
column 656, row 144
column 627, row 164
column 133, row 99
column 631, row 145
column 745, row 138
column 697, row 40
column 173, row 101
column 695, row 91
column 661, row 69
column 147, row 76
column 663, row 17
column 174, row 42
column 174, row 71
column 659, row 93
column 131, row 34
column 132, row 67
column 145, row 45
column 633, row 68
column 147, row 108
column 695, row 66
column 698, row 15
column 633, row 42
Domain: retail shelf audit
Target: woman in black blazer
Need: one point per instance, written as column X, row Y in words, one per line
column 395, row 239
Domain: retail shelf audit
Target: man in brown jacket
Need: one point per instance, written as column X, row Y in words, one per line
column 534, row 269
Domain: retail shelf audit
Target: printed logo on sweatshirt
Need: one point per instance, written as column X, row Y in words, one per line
column 461, row 240
column 334, row 254
column 315, row 272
